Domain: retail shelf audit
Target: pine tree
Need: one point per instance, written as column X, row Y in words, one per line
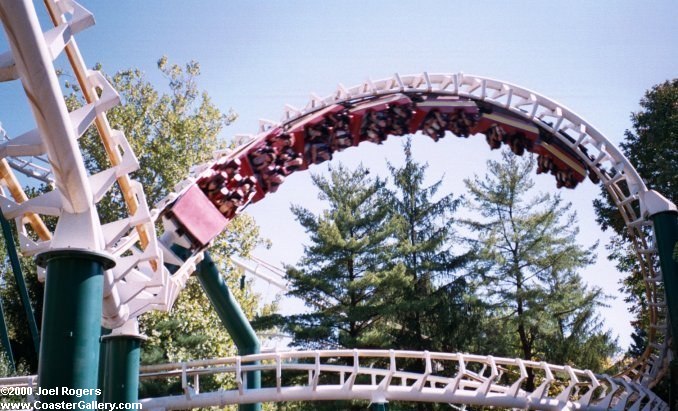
column 527, row 254
column 344, row 275
column 437, row 307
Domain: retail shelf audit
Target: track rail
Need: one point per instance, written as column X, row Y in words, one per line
column 380, row 376
column 35, row 167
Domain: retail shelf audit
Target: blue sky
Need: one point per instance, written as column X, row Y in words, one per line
column 596, row 58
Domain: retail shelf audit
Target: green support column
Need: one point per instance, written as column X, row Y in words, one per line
column 379, row 406
column 232, row 317
column 71, row 325
column 121, row 375
column 102, row 364
column 4, row 334
column 666, row 233
column 20, row 282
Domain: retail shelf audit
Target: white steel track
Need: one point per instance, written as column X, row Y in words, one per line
column 36, row 167
column 380, row 375
column 56, row 140
column 388, row 376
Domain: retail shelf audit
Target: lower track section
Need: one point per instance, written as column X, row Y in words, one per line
column 378, row 376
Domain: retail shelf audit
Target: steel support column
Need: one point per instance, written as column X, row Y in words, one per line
column 122, row 351
column 233, row 319
column 379, row 406
column 69, row 347
column 102, row 364
column 4, row 336
column 666, row 233
column 20, row 282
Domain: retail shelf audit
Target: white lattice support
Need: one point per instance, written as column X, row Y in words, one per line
column 76, row 193
column 78, row 226
column 457, row 387
column 89, row 84
column 46, row 100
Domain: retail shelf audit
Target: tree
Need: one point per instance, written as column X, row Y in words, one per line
column 15, row 317
column 344, row 275
column 652, row 147
column 169, row 132
column 437, row 309
column 527, row 254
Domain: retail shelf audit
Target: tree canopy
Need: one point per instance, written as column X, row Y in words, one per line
column 169, row 131
column 528, row 257
column 651, row 145
column 345, row 275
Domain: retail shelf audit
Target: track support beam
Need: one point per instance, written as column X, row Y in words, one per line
column 232, row 318
column 69, row 347
column 122, row 353
column 4, row 336
column 20, row 282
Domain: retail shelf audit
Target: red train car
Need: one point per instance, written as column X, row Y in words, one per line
column 500, row 128
column 520, row 135
column 375, row 120
column 436, row 114
column 321, row 133
column 553, row 157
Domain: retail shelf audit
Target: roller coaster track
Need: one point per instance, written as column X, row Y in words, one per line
column 140, row 282
column 386, row 376
column 380, row 376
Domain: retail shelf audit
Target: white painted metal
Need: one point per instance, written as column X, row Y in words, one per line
column 383, row 375
column 389, row 375
column 141, row 275
column 262, row 270
column 33, row 60
column 129, row 329
column 32, row 166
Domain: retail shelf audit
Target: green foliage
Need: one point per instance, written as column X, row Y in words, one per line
column 22, row 343
column 652, row 147
column 436, row 309
column 345, row 274
column 169, row 132
column 527, row 254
